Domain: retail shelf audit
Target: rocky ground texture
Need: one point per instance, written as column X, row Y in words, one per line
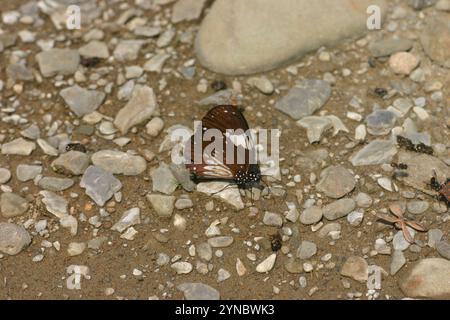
column 91, row 206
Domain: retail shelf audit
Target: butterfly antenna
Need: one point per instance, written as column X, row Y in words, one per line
column 226, row 187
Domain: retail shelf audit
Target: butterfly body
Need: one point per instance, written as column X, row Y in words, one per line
column 234, row 159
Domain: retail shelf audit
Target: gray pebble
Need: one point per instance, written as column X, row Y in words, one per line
column 311, row 215
column 339, row 208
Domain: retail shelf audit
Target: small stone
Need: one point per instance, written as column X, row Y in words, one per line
column 434, row 236
column 58, row 61
column 139, row 109
column 435, row 40
column 305, row 98
column 38, row 258
column 133, row 72
column 5, row 175
column 76, row 248
column 163, row 180
column 221, row 97
column 198, row 291
column 355, row 268
column 220, row 242
column 82, row 101
column 165, row 38
column 302, row 282
column 55, row 204
column 94, row 49
column 129, row 218
column 69, row 222
column 72, row 162
column 187, row 10
column 387, row 47
column 418, row 75
column 382, row 247
column 130, row 234
column 335, row 182
column 398, row 261
column 329, row 229
column 399, row 242
column 162, row 259
column 262, row 84
column 272, row 219
column 117, row 162
column 182, row 267
column 183, row 176
column 126, row 90
column 148, row 32
column 376, row 152
column 306, row 250
column 13, row 238
column 222, row 190
column 417, row 207
column 420, row 168
column 403, row 63
column 55, row 184
column 12, row 205
column 338, row 209
column 100, row 185
column 311, row 215
column 363, row 200
column 179, row 222
column 188, row 72
column 162, row 204
column 355, row 218
column 293, row 214
column 137, row 272
column 154, row 127
column 156, row 63
column 444, row 249
column 403, row 105
column 127, row 50
column 26, row 172
column 240, row 268
column 267, row 264
column 10, row 17
column 184, row 203
column 294, row 266
column 19, row 147
column 204, row 251
column 223, row 275
column 315, row 127
column 96, row 243
column 109, row 292
column 380, row 122
column 47, row 148
column 385, row 183
column 19, row 71
column 421, row 4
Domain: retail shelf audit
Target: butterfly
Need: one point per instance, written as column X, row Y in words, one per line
column 232, row 134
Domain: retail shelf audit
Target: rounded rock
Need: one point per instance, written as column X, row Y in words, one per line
column 403, row 62
column 336, row 182
column 5, row 175
column 339, row 208
column 311, row 215
column 267, row 34
column 13, row 238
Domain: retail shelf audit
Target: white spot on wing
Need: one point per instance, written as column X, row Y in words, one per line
column 238, row 140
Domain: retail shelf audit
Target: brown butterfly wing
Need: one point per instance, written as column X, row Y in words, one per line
column 222, row 118
column 225, row 117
